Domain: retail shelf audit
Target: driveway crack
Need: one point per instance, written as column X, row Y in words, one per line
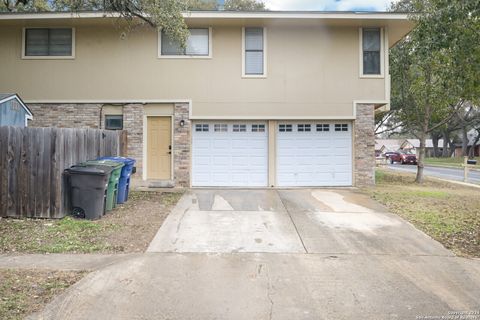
column 293, row 222
column 269, row 292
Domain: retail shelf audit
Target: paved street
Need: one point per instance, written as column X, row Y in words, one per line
column 440, row 172
column 278, row 254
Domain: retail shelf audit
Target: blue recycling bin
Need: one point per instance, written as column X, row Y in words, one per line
column 124, row 182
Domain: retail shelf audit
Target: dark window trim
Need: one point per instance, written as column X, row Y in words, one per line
column 72, row 39
column 368, row 51
column 107, row 116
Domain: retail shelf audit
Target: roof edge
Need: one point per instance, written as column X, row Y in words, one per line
column 17, row 97
column 217, row 15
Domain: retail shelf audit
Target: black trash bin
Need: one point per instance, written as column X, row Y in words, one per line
column 88, row 185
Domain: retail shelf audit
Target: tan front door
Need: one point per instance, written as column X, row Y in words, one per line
column 159, row 153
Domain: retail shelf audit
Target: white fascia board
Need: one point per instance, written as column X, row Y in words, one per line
column 29, row 114
column 218, row 15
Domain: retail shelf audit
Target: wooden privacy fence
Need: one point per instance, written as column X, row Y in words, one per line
column 32, row 161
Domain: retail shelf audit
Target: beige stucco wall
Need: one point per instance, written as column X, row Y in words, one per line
column 313, row 71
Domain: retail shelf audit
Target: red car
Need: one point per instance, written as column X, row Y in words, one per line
column 402, row 157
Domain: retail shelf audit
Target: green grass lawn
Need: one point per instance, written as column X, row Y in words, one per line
column 448, row 213
column 23, row 292
column 448, row 162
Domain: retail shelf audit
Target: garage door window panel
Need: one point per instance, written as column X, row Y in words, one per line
column 304, row 128
column 285, row 128
column 239, row 128
column 258, row 128
column 323, row 127
column 201, row 127
column 341, row 127
column 220, row 128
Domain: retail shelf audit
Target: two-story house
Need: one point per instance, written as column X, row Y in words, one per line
column 256, row 99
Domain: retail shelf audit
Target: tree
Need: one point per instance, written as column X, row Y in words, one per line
column 162, row 14
column 435, row 70
column 244, row 5
column 202, row 5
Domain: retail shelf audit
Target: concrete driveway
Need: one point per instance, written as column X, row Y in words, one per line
column 279, row 254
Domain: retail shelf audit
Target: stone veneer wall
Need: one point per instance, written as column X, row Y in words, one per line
column 88, row 116
column 182, row 145
column 65, row 115
column 364, row 146
column 133, row 124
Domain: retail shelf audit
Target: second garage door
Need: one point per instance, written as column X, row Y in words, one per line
column 233, row 154
column 314, row 154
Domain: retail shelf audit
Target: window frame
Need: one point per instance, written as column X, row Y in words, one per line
column 24, row 45
column 285, row 127
column 204, row 127
column 222, row 127
column 341, row 127
column 259, row 128
column 381, row 75
column 320, row 127
column 112, row 115
column 186, row 56
column 255, row 76
column 304, row 127
column 241, row 127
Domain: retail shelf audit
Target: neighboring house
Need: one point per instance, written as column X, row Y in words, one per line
column 472, row 135
column 387, row 145
column 255, row 99
column 13, row 111
column 413, row 146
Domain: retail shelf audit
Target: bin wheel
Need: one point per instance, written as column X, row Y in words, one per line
column 78, row 213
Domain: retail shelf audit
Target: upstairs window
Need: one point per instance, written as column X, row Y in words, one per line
column 198, row 44
column 371, row 50
column 48, row 42
column 254, row 52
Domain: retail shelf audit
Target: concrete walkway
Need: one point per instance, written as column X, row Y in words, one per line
column 72, row 262
column 278, row 254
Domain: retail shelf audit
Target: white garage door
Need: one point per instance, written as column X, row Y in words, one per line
column 314, row 154
column 233, row 154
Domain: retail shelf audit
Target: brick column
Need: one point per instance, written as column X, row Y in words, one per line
column 182, row 145
column 364, row 146
column 133, row 124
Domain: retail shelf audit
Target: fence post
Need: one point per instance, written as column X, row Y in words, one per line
column 465, row 169
column 123, row 143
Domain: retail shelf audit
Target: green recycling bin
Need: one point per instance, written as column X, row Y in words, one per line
column 111, row 201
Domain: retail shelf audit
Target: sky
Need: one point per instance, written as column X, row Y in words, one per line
column 328, row 5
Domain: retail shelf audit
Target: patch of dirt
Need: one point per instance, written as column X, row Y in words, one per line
column 128, row 228
column 23, row 292
column 134, row 224
column 447, row 212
